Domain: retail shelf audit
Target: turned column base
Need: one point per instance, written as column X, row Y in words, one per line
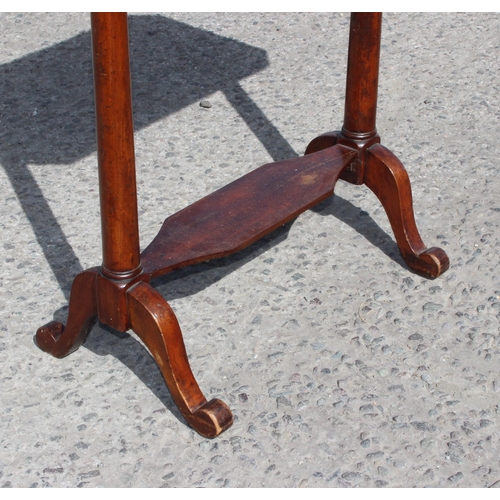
column 148, row 314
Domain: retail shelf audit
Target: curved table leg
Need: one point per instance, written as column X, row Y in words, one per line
column 322, row 142
column 58, row 340
column 386, row 176
column 152, row 319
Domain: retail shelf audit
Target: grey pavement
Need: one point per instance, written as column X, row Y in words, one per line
column 342, row 367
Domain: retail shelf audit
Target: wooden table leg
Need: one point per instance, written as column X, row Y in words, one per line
column 376, row 166
column 118, row 293
column 115, row 146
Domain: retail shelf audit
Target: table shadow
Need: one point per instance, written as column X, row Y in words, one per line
column 47, row 117
column 362, row 223
column 47, row 112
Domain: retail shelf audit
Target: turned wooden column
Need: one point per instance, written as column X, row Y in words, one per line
column 115, row 146
column 121, row 263
column 362, row 76
column 359, row 130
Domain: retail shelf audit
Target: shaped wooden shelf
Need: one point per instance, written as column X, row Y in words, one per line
column 244, row 211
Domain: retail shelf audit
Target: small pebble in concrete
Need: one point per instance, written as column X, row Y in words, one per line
column 456, row 477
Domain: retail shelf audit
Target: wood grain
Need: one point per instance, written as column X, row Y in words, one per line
column 244, row 211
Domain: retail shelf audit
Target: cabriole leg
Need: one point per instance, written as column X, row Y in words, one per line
column 58, row 340
column 386, row 176
column 153, row 320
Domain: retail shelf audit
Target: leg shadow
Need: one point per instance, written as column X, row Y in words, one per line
column 362, row 223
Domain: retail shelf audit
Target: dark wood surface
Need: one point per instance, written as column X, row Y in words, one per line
column 60, row 340
column 375, row 165
column 386, row 176
column 118, row 293
column 153, row 320
column 115, row 146
column 244, row 211
column 361, row 93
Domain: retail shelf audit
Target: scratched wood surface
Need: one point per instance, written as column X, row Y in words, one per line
column 245, row 210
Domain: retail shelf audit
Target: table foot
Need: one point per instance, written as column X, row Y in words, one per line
column 386, row 176
column 60, row 340
column 153, row 320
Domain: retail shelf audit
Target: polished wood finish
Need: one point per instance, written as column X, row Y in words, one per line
column 244, row 211
column 115, row 146
column 155, row 323
column 375, row 165
column 118, row 293
column 362, row 75
column 60, row 340
column 359, row 128
column 386, row 176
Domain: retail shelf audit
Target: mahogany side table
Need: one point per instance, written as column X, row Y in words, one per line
column 118, row 292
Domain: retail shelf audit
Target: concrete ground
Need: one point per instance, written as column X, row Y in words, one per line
column 342, row 367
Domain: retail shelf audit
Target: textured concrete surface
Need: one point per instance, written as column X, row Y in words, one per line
column 342, row 367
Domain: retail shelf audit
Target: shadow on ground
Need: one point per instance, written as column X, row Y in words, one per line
column 47, row 117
